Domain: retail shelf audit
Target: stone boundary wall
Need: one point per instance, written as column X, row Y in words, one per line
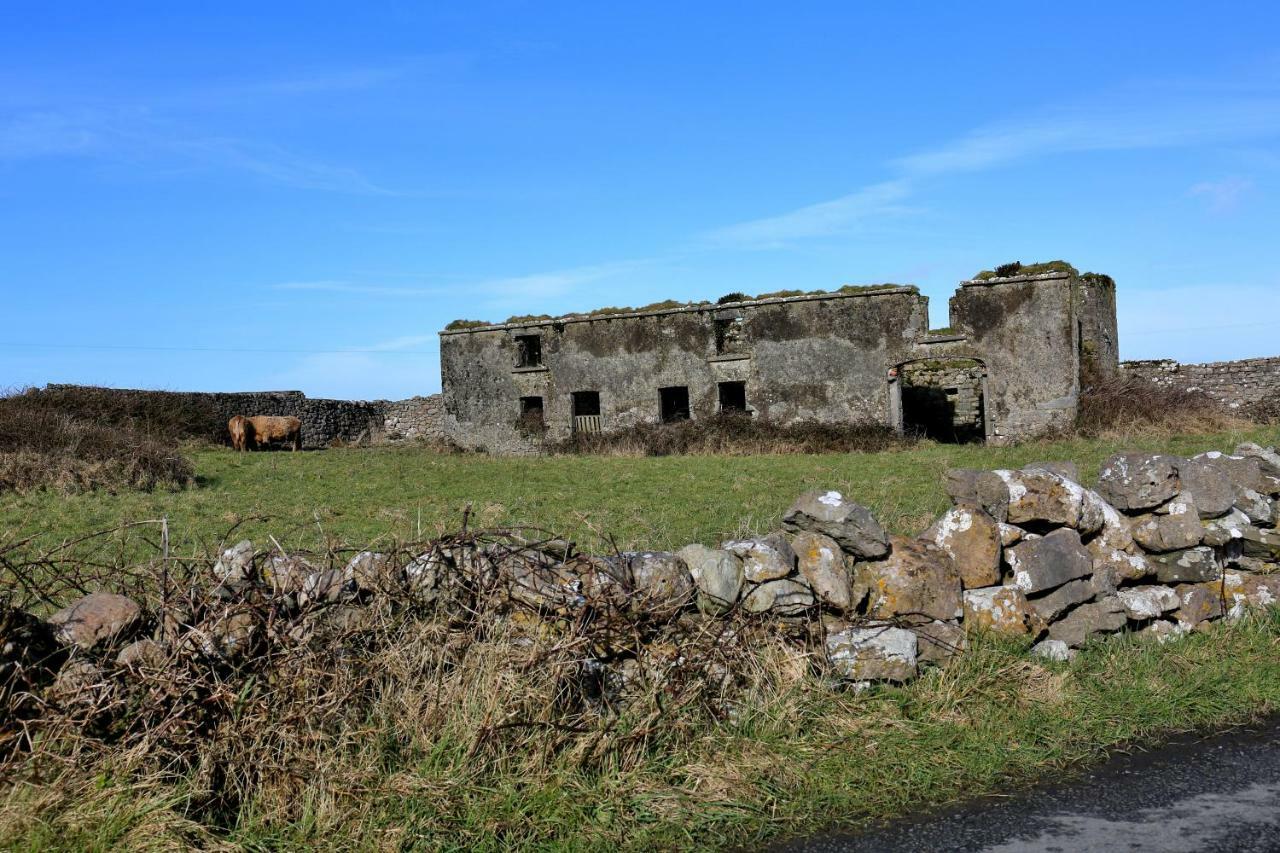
column 324, row 422
column 1234, row 383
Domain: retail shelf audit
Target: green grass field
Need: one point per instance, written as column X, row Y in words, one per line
column 368, row 496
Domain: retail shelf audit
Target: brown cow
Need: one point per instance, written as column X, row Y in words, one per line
column 265, row 429
column 238, row 426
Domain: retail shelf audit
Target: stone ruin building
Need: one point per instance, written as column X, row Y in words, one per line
column 1008, row 366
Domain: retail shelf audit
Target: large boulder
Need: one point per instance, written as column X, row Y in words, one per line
column 1132, row 482
column 918, row 578
column 1040, row 497
column 1175, row 527
column 781, row 597
column 972, row 539
column 823, row 566
column 1206, row 486
column 1104, row 616
column 1191, row 565
column 881, row 653
column 98, row 619
column 851, row 525
column 1050, row 561
column 716, row 574
column 1000, row 610
column 765, row 558
column 1148, row 602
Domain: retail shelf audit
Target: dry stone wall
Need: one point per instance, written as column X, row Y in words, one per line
column 1161, row 546
column 1237, row 384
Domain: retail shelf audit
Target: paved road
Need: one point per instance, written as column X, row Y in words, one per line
column 1216, row 794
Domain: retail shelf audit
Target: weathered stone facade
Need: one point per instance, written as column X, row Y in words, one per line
column 1236, row 384
column 838, row 357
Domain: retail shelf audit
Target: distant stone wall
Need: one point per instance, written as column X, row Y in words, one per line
column 324, row 422
column 1235, row 383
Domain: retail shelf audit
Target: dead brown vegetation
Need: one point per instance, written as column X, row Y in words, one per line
column 44, row 443
column 1116, row 406
column 734, row 435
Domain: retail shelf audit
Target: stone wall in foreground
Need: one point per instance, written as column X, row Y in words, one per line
column 1161, row 546
column 1237, row 384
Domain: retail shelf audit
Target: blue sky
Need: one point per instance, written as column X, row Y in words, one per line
column 261, row 196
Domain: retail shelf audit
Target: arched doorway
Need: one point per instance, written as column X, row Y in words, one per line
column 943, row 399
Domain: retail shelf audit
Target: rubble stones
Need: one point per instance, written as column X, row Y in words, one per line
column 236, row 563
column 716, row 574
column 783, row 597
column 873, row 654
column 851, row 525
column 97, row 619
column 764, row 559
column 1050, row 561
column 661, row 579
column 917, row 578
column 822, row 564
column 972, row 539
column 1132, row 482
column 142, row 654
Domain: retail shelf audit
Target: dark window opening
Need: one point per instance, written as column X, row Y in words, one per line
column 733, row 397
column 728, row 335
column 951, row 392
column 674, row 404
column 532, row 416
column 586, row 411
column 528, row 351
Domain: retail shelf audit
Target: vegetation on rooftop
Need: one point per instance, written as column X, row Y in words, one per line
column 669, row 304
column 1018, row 268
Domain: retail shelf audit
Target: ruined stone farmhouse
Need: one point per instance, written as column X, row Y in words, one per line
column 1008, row 366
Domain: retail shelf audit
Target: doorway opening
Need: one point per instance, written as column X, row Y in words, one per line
column 942, row 399
column 733, row 397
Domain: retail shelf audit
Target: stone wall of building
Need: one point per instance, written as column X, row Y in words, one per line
column 1237, row 384
column 414, row 419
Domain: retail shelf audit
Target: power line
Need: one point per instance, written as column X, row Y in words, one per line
column 132, row 347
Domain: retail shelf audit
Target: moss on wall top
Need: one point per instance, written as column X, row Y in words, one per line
column 1017, row 268
column 669, row 304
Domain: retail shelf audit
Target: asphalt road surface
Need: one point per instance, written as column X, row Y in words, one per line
column 1199, row 794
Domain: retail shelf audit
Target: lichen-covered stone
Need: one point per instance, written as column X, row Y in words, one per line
column 781, row 597
column 961, row 485
column 1245, row 591
column 831, row 514
column 1010, row 534
column 1050, row 605
column 1176, row 527
column 1163, row 631
column 1206, row 486
column 716, row 574
column 1039, row 497
column 1200, row 602
column 325, row 587
column 873, row 654
column 1132, row 482
column 765, row 558
column 1121, row 565
column 235, row 564
column 661, row 580
column 96, row 619
column 1055, row 650
column 1148, row 602
column 1050, row 561
column 972, row 539
column 1261, row 544
column 1258, row 508
column 1243, row 472
column 917, row 578
column 1104, row 616
column 1066, row 469
column 823, row 566
column 1000, row 610
column 368, row 570
column 1189, row 566
column 1230, row 527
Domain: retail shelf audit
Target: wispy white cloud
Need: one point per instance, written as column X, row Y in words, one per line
column 1131, row 119
column 817, row 220
column 1222, row 196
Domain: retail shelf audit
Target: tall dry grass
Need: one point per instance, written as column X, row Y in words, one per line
column 1119, row 406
